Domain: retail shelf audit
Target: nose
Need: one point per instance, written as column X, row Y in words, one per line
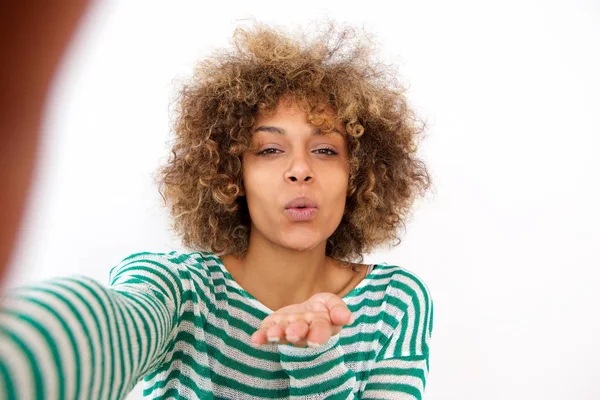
column 299, row 170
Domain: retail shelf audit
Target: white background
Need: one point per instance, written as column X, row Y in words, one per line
column 508, row 240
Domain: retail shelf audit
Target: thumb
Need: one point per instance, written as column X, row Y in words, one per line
column 339, row 312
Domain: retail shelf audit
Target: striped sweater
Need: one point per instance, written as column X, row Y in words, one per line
column 183, row 324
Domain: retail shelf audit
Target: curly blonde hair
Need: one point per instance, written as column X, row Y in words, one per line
column 217, row 107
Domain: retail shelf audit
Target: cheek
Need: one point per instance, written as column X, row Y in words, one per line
column 257, row 181
column 337, row 180
column 260, row 191
column 336, row 190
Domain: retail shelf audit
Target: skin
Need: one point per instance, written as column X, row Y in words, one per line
column 286, row 257
column 34, row 38
column 285, row 266
column 310, row 323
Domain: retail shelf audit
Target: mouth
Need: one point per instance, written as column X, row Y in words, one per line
column 299, row 207
column 301, row 213
column 301, row 202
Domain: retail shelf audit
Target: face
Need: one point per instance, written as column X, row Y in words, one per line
column 291, row 159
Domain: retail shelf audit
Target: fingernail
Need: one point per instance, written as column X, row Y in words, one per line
column 293, row 338
column 273, row 339
column 312, row 345
column 351, row 319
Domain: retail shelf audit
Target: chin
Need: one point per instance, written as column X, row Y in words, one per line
column 300, row 245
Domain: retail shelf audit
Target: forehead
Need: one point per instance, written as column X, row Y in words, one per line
column 316, row 131
column 286, row 116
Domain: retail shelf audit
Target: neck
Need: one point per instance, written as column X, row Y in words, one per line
column 278, row 276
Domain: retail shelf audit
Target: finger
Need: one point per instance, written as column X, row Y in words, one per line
column 260, row 336
column 295, row 328
column 339, row 313
column 296, row 331
column 276, row 332
column 271, row 332
column 320, row 332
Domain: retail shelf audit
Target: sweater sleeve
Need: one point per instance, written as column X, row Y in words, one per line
column 69, row 338
column 399, row 371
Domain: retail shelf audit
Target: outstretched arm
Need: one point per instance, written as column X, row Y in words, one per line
column 75, row 338
column 34, row 38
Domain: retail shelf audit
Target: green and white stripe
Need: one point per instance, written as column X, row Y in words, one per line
column 180, row 322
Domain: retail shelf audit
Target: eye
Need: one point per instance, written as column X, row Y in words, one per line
column 266, row 151
column 271, row 150
column 328, row 151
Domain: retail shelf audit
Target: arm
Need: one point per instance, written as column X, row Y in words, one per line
column 399, row 371
column 29, row 58
column 75, row 338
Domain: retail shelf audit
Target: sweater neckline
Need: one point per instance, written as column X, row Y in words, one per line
column 264, row 308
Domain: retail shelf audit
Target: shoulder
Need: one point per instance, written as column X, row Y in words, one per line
column 408, row 292
column 409, row 299
column 168, row 269
column 404, row 282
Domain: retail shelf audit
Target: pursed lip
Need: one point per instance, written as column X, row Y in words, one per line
column 301, row 201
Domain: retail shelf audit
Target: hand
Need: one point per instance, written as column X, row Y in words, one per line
column 310, row 323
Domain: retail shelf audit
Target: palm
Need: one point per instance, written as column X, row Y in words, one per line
column 317, row 303
column 315, row 320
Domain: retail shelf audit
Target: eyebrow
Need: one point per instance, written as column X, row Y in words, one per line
column 281, row 131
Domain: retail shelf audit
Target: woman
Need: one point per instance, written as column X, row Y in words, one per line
column 291, row 159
